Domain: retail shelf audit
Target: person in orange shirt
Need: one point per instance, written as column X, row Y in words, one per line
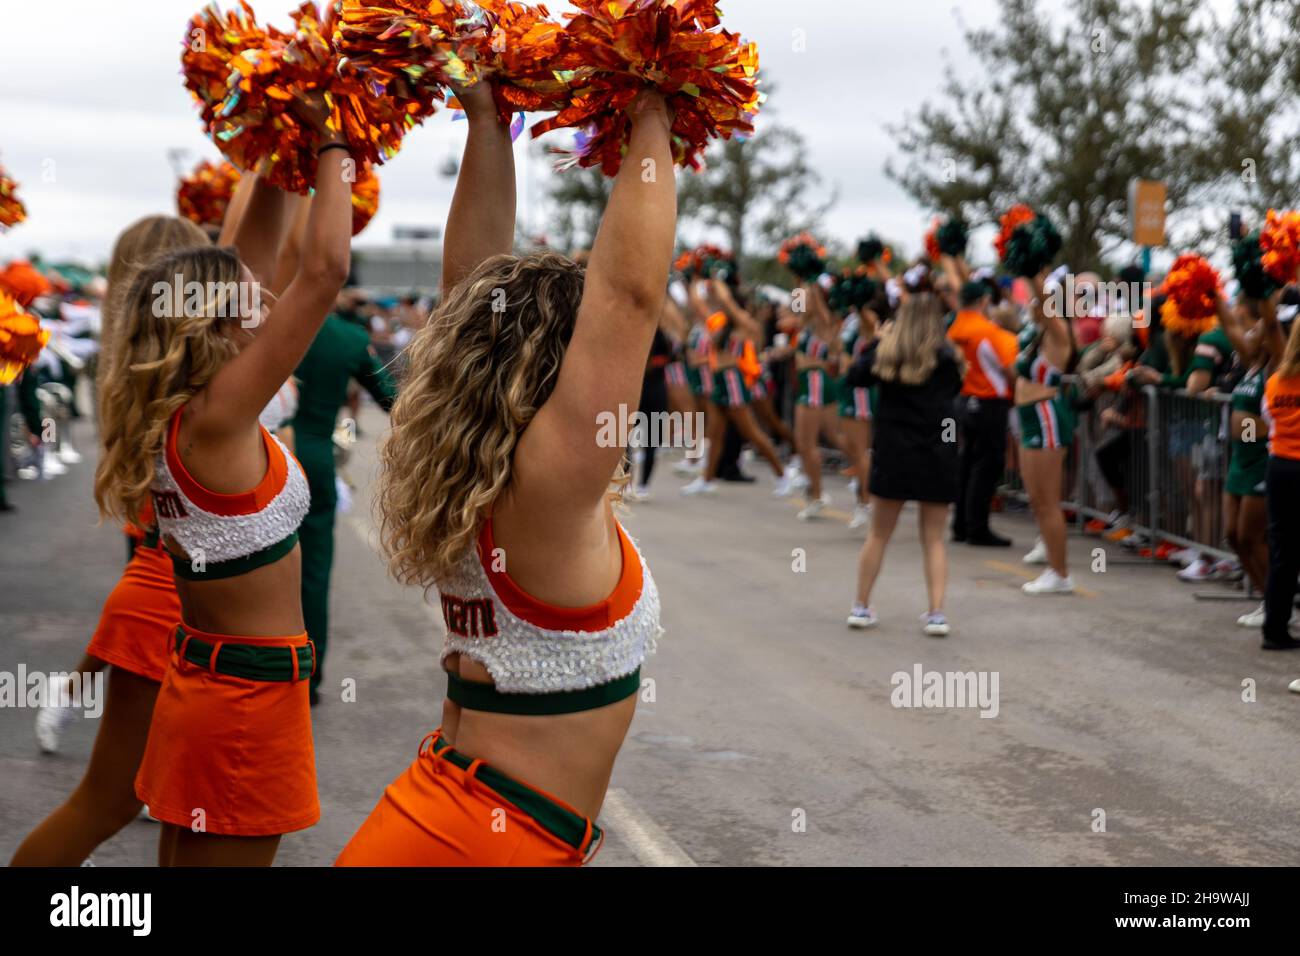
column 1282, row 485
column 985, row 405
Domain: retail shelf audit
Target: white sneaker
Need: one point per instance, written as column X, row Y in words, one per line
column 700, row 487
column 1254, row 619
column 1038, row 555
column 1294, row 687
column 53, row 467
column 1185, row 556
column 785, row 484
column 640, row 493
column 862, row 618
column 800, row 481
column 1226, row 570
column 815, row 507
column 51, row 721
column 1198, row 570
column 861, row 516
column 936, row 625
column 69, row 455
column 29, row 473
column 1049, row 582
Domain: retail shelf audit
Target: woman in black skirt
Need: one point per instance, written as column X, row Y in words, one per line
column 914, row 449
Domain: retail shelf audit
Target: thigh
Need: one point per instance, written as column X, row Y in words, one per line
column 210, row 849
column 884, row 515
column 1252, row 517
column 934, row 520
column 123, row 733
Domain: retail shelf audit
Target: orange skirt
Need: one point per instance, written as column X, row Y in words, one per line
column 439, row 814
column 229, row 755
column 139, row 616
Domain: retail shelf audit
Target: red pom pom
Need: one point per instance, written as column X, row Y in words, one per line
column 617, row 47
column 204, row 196
column 1280, row 242
column 1193, row 290
column 365, row 199
column 1015, row 217
column 21, row 338
column 932, row 249
column 12, row 210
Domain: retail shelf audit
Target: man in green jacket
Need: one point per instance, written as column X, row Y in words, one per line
column 340, row 353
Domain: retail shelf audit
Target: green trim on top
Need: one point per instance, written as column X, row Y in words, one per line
column 484, row 697
column 230, row 569
column 557, row 820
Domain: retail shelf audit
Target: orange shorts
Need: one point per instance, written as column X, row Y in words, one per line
column 139, row 616
column 227, row 754
column 440, row 814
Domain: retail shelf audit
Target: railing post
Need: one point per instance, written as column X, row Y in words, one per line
column 1154, row 446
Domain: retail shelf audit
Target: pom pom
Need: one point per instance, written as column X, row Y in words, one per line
column 1248, row 266
column 212, row 39
column 411, row 48
column 204, row 195
column 256, row 125
column 365, row 199
column 953, row 236
column 706, row 262
column 21, row 339
column 932, row 250
column 804, row 256
column 1193, row 290
column 852, row 290
column 12, row 210
column 870, row 249
column 1280, row 242
column 1027, row 242
column 520, row 54
column 616, row 48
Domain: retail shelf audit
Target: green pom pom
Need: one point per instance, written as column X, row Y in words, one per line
column 850, row 292
column 1248, row 266
column 1033, row 247
column 870, row 249
column 953, row 237
column 804, row 262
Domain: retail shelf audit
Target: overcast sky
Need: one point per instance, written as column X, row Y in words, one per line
column 89, row 114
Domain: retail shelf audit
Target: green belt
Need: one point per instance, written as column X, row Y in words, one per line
column 475, row 696
column 184, row 567
column 250, row 661
column 557, row 820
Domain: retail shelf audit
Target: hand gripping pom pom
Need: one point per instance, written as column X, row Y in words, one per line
column 520, row 54
column 804, row 256
column 617, row 48
column 12, row 210
column 1193, row 289
column 1280, row 242
column 204, row 195
column 21, row 339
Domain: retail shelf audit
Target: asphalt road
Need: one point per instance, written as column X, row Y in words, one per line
column 772, row 738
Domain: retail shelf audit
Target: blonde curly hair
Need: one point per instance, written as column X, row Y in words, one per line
column 478, row 372
column 165, row 351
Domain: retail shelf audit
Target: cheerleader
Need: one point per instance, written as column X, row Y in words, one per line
column 495, row 490
column 698, row 366
column 228, row 767
column 818, row 355
column 133, row 626
column 1281, row 407
column 1047, row 423
column 858, row 332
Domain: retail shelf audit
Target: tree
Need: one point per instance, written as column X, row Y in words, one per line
column 757, row 192
column 577, row 198
column 1072, row 107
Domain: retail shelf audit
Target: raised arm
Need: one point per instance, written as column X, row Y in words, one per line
column 1272, row 329
column 745, row 323
column 286, row 266
column 560, row 459
column 235, row 211
column 262, row 229
column 481, row 223
column 243, row 386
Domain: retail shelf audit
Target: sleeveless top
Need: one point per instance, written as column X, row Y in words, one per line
column 224, row 535
column 545, row 659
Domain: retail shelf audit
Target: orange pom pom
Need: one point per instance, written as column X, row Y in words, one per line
column 520, row 55
column 1280, row 242
column 617, row 47
column 21, row 339
column 411, row 47
column 932, row 249
column 1015, row 217
column 1193, row 290
column 365, row 200
column 12, row 210
column 204, row 195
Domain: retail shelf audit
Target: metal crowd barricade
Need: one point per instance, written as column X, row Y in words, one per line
column 1158, row 456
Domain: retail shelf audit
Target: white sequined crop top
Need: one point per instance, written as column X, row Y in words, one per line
column 223, row 535
column 546, row 659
